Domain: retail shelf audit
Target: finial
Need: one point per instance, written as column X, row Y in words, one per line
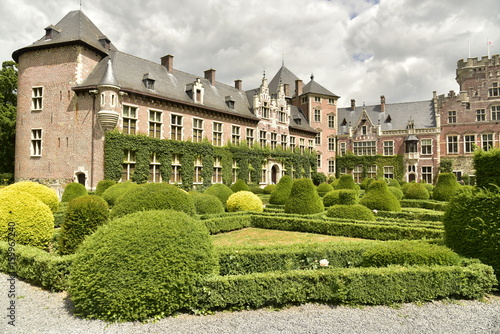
column 264, row 73
column 312, row 76
column 283, row 59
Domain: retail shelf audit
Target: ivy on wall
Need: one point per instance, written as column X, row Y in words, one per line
column 350, row 161
column 248, row 159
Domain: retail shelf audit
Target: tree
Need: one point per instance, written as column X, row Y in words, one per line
column 8, row 103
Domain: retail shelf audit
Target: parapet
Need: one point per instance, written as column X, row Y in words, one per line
column 478, row 62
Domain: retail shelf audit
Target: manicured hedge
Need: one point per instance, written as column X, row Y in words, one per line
column 227, row 222
column 323, row 189
column 446, row 187
column 426, row 204
column 413, row 213
column 341, row 196
column 355, row 212
column 346, row 182
column 379, row 197
column 304, row 198
column 486, row 166
column 206, row 203
column 115, row 192
column 244, row 201
column 40, row 191
column 282, row 191
column 240, row 185
column 269, row 189
column 397, row 192
column 219, row 190
column 103, row 185
column 73, row 190
column 416, row 191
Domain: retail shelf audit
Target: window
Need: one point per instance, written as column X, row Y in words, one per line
column 262, row 138
column 274, row 140
column 389, row 172
column 36, row 142
column 282, row 115
column 452, row 117
column 265, row 110
column 343, row 170
column 317, row 115
column 331, row 144
column 469, row 143
column 155, row 124
column 217, row 134
column 176, row 127
column 198, row 96
column 343, row 149
column 371, row 171
column 364, row 130
column 317, row 99
column 331, row 121
column 176, row 169
column 302, row 145
column 263, row 177
column 494, row 90
column 149, row 83
column 197, row 130
column 331, row 101
column 129, row 115
column 389, row 147
column 318, row 160
column 37, row 98
column 292, row 142
column 217, row 175
column 487, row 141
column 357, row 173
column 426, row 146
column 304, row 100
column 198, row 166
column 235, row 135
column 427, row 174
column 317, row 139
column 495, row 113
column 331, row 166
column 364, row 148
column 452, row 144
column 311, row 145
column 154, row 169
column 480, row 115
column 128, row 165
column 250, row 137
column 284, row 141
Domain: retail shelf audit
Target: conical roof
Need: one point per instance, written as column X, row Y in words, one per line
column 284, row 76
column 315, row 88
column 109, row 78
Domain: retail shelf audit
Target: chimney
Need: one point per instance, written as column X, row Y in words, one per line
column 382, row 103
column 286, row 89
column 298, row 87
column 210, row 76
column 353, row 104
column 168, row 62
column 238, row 85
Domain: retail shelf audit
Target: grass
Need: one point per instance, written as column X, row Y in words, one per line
column 261, row 237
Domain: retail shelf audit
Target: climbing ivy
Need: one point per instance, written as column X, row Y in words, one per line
column 350, row 161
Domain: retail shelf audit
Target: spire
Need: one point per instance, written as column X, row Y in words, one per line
column 108, row 78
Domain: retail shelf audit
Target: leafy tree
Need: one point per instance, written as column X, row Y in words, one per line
column 8, row 103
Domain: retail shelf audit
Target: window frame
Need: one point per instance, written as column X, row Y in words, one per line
column 36, row 142
column 37, row 98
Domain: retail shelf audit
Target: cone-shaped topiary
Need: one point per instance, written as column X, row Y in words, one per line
column 244, row 201
column 346, row 182
column 446, row 187
column 355, row 211
column 240, row 185
column 84, row 215
column 206, row 203
column 25, row 219
column 393, row 183
column 282, row 191
column 154, row 196
column 304, row 198
column 269, row 188
column 103, row 185
column 141, row 266
column 73, row 190
column 113, row 193
column 341, row 196
column 323, row 189
column 221, row 191
column 397, row 192
column 416, row 191
column 379, row 197
column 405, row 186
column 40, row 191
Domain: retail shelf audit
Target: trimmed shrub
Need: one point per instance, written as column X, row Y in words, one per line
column 486, row 166
column 85, row 214
column 206, row 203
column 428, row 204
column 346, row 182
column 282, row 191
column 25, row 219
column 141, row 266
column 472, row 226
column 342, row 196
column 318, row 178
column 405, row 186
column 269, row 188
column 355, row 212
column 239, row 185
column 257, row 190
column 103, row 185
column 416, row 191
column 154, row 196
column 446, row 187
column 60, row 214
column 397, row 192
column 379, row 197
column 366, row 182
column 409, row 253
column 429, row 187
column 40, row 191
column 244, row 201
column 393, row 183
column 73, row 190
column 219, row 190
column 115, row 192
column 323, row 189
column 304, row 198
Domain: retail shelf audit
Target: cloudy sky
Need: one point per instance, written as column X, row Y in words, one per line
column 358, row 49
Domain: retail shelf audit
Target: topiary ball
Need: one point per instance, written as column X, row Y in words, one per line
column 257, row 190
column 355, row 212
column 73, row 190
column 416, row 191
column 205, row 203
column 25, row 219
column 269, row 188
column 323, row 189
column 282, row 191
column 379, row 197
column 103, row 185
column 154, row 196
column 219, row 190
column 446, row 187
column 84, row 215
column 342, row 196
column 244, row 201
column 397, row 192
column 240, row 185
column 304, row 198
column 141, row 266
column 406, row 186
column 113, row 193
column 40, row 191
column 346, row 182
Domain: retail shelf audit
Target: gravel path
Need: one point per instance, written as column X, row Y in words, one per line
column 39, row 311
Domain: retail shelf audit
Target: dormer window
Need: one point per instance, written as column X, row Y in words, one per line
column 298, row 121
column 105, row 42
column 195, row 91
column 230, row 102
column 50, row 32
column 148, row 81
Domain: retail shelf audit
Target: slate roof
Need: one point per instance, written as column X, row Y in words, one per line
column 315, row 88
column 285, row 76
column 395, row 117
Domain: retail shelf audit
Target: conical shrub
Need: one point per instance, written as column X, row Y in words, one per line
column 379, row 197
column 282, row 191
column 304, row 198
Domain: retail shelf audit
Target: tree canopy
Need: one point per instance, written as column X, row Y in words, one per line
column 8, row 103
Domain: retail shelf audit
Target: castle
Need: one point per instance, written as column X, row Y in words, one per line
column 75, row 86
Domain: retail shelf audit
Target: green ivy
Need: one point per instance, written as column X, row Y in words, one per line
column 350, row 161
